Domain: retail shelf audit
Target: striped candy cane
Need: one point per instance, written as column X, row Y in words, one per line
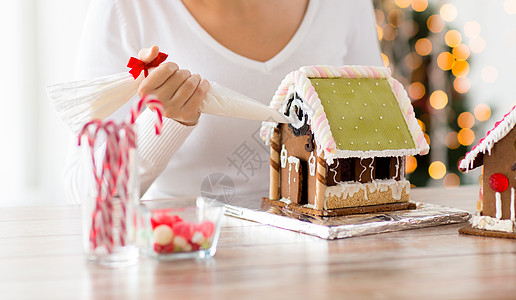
column 114, row 172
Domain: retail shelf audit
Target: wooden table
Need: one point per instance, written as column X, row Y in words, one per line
column 41, row 258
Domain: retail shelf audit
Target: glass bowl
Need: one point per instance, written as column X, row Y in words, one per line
column 179, row 228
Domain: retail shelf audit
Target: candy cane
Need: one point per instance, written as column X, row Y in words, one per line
column 120, row 139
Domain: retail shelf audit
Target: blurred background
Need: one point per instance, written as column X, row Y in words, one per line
column 456, row 59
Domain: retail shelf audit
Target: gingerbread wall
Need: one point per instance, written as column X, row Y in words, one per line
column 503, row 155
column 296, row 146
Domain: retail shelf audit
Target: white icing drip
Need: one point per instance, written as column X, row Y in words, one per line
column 283, row 156
column 364, row 169
column 498, row 197
column 350, row 188
column 513, row 213
column 293, row 160
column 397, row 167
column 335, row 171
column 372, row 168
column 312, row 164
column 486, row 145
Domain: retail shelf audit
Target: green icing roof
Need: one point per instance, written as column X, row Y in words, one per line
column 363, row 114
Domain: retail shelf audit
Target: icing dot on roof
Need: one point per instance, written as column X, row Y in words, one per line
column 361, row 118
column 381, row 117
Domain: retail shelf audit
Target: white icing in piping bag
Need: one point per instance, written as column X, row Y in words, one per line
column 78, row 102
column 222, row 101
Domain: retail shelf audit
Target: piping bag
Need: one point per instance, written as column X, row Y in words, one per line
column 78, row 102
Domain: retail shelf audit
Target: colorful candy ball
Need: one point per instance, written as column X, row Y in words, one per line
column 163, row 235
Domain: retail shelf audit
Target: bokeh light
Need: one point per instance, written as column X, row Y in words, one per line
column 462, row 84
column 423, row 46
column 416, row 90
column 466, row 137
column 472, row 29
column 466, row 120
column 385, row 59
column 452, row 140
column 396, row 17
column 460, row 68
column 482, row 112
column 477, row 44
column 453, row 38
column 448, row 12
column 510, row 7
column 419, row 5
column 410, row 164
column 437, row 170
column 403, row 3
column 445, row 61
column 422, row 125
column 380, row 32
column 489, row 74
column 389, row 33
column 438, row 99
column 451, row 181
column 435, row 23
column 413, row 60
column 461, row 52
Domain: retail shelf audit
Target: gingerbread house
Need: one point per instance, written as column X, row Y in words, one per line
column 345, row 151
column 497, row 153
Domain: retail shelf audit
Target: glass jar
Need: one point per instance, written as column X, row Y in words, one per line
column 110, row 196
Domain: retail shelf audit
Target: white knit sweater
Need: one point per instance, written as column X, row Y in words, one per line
column 219, row 155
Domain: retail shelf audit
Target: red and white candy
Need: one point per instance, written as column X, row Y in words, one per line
column 172, row 234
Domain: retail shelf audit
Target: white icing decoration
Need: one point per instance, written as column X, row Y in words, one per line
column 493, row 136
column 283, row 156
column 350, row 188
column 498, row 205
column 397, row 166
column 364, row 169
column 292, row 160
column 312, row 164
column 489, row 223
column 513, row 214
column 335, row 171
column 372, row 168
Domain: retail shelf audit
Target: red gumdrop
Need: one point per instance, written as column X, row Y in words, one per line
column 158, row 248
column 207, row 228
column 183, row 229
column 169, row 248
column 161, row 217
column 498, row 182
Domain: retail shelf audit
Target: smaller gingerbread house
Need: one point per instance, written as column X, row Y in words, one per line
column 497, row 153
column 345, row 151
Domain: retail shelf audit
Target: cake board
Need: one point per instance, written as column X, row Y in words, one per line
column 424, row 215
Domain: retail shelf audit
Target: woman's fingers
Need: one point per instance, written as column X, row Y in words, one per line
column 161, row 76
column 148, row 54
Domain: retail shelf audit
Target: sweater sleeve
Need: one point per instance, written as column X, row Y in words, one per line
column 106, row 44
column 364, row 48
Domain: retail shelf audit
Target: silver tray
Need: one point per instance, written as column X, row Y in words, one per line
column 425, row 215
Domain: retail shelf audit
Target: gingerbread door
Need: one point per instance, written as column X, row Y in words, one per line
column 295, row 180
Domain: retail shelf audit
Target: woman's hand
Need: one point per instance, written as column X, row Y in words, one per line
column 180, row 92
